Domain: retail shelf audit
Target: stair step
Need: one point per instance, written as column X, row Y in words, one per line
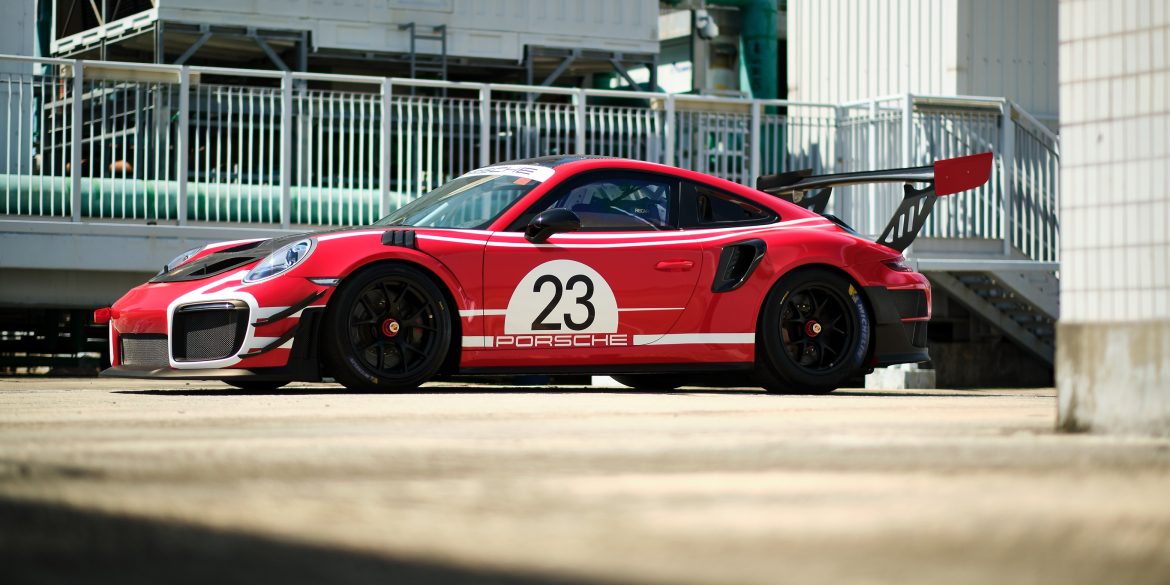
column 974, row 279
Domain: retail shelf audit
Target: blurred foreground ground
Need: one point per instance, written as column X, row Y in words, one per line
column 152, row 482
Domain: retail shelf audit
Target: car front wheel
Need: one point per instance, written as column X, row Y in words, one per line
column 814, row 333
column 388, row 328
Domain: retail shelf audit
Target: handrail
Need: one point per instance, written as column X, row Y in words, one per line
column 177, row 149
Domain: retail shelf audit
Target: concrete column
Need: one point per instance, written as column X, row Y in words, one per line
column 1113, row 339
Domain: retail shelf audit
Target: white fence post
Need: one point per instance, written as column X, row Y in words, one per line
column 485, row 125
column 907, row 146
column 842, row 207
column 669, row 129
column 286, row 150
column 184, row 138
column 1007, row 161
column 384, row 140
column 757, row 151
column 580, row 127
column 908, row 130
column 75, row 146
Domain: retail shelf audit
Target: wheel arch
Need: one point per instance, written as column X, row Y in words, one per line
column 448, row 286
column 815, row 265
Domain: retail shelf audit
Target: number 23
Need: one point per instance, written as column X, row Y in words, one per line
column 539, row 323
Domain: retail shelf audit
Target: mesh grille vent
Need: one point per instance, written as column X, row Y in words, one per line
column 203, row 334
column 144, row 350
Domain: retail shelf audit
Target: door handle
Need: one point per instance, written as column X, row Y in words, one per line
column 674, row 265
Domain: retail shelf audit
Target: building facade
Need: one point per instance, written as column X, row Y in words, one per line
column 844, row 50
column 1113, row 354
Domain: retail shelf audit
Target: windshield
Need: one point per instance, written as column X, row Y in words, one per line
column 470, row 202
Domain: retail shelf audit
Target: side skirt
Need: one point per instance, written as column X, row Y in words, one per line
column 603, row 370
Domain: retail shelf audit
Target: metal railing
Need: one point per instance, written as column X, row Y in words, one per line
column 86, row 141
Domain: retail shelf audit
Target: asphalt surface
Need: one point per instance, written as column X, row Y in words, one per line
column 148, row 482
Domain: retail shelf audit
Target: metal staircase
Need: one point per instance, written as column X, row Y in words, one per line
column 1018, row 296
column 1027, row 318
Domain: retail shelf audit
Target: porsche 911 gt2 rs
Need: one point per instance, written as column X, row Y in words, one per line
column 566, row 264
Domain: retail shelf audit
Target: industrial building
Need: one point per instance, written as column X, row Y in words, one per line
column 147, row 127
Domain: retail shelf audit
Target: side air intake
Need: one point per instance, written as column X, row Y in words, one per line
column 736, row 263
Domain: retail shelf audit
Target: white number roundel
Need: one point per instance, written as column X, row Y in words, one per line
column 562, row 296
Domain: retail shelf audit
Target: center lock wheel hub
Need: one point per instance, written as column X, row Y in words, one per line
column 390, row 327
column 812, row 329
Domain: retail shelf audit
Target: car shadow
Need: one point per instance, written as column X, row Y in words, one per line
column 65, row 544
column 535, row 390
column 432, row 390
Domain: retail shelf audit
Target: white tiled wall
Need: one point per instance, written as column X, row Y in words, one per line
column 1115, row 160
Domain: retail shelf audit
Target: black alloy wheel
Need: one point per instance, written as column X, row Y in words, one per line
column 388, row 328
column 814, row 331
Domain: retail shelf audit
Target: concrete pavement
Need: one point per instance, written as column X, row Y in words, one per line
column 124, row 481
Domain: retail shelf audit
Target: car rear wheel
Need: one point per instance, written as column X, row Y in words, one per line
column 388, row 328
column 814, row 333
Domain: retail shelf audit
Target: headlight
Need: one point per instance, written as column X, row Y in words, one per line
column 181, row 258
column 281, row 260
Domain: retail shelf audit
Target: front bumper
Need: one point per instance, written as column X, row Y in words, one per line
column 216, row 330
column 302, row 363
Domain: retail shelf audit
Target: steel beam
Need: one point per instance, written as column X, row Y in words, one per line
column 199, row 42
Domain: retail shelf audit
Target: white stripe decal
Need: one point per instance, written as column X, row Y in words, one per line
column 478, row 341
column 649, row 339
column 477, row 312
column 460, row 235
column 221, row 245
column 262, row 342
column 349, row 235
column 667, row 234
column 266, row 312
column 611, row 245
column 465, row 313
column 536, row 173
column 695, row 339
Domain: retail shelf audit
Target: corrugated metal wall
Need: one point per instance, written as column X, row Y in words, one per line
column 1009, row 48
column 489, row 29
column 842, row 50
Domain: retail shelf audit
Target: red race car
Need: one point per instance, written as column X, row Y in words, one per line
column 566, row 264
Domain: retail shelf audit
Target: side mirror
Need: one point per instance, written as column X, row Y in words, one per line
column 552, row 221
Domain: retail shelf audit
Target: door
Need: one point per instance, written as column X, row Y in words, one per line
column 623, row 280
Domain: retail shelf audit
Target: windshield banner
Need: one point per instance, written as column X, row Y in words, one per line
column 534, row 172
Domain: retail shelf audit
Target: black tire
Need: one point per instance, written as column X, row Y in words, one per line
column 256, row 385
column 649, row 382
column 388, row 328
column 814, row 333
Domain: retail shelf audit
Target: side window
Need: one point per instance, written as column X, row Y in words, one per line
column 621, row 203
column 711, row 208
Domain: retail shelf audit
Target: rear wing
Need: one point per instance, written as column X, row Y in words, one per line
column 944, row 177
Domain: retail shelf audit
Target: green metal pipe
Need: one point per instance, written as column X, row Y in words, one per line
column 760, row 44
column 158, row 200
